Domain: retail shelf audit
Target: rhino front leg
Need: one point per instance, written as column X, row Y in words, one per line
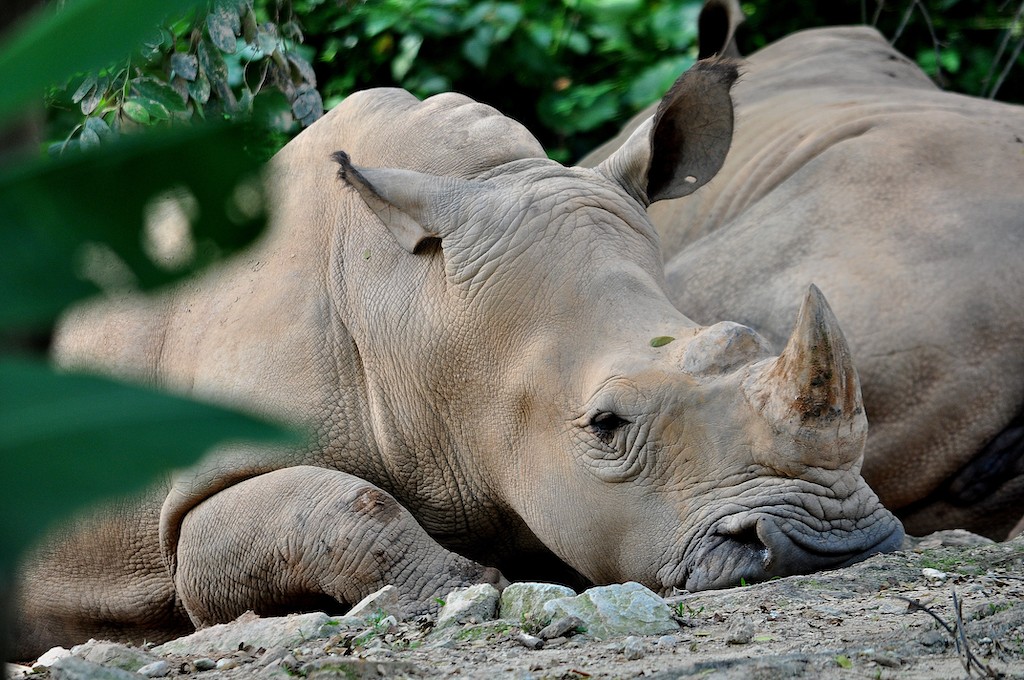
column 306, row 539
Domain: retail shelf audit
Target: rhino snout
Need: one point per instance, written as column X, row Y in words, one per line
column 758, row 546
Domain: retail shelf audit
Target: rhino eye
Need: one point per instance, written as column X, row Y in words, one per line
column 606, row 424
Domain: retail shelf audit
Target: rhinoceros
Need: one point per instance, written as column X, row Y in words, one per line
column 905, row 204
column 499, row 387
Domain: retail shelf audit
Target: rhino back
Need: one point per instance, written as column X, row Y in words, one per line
column 263, row 330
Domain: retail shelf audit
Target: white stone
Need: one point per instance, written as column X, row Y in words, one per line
column 385, row 599
column 157, row 669
column 521, row 601
column 474, row 604
column 52, row 656
column 249, row 629
column 616, row 610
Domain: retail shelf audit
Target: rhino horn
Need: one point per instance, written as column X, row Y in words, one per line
column 812, row 385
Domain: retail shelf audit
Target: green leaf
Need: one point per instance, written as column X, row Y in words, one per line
column 185, row 65
column 74, row 37
column 156, row 110
column 99, row 127
column 661, row 340
column 214, row 68
column 52, row 213
column 408, row 48
column 651, row 83
column 67, row 439
column 87, row 86
column 302, row 68
column 843, row 661
column 160, row 92
column 89, row 139
column 222, row 25
column 134, row 109
column 93, row 98
column 199, row 89
column 307, row 106
column 477, row 49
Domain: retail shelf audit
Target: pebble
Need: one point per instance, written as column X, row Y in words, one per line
column 273, row 654
column 204, row 664
column 529, row 641
column 633, row 648
column 668, row 641
column 933, row 574
column 740, row 634
column 560, row 627
column 157, row 669
column 227, row 664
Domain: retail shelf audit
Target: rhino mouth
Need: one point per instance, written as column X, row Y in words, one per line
column 757, row 545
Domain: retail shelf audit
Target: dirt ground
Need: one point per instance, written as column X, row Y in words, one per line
column 892, row 616
column 850, row 623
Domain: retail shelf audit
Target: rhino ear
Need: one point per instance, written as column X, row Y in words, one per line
column 412, row 205
column 716, row 29
column 684, row 144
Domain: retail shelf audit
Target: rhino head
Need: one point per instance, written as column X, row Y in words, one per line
column 570, row 408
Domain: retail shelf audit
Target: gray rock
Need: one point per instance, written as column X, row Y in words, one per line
column 633, row 648
column 113, row 655
column 668, row 641
column 616, row 610
column 275, row 670
column 740, row 633
column 157, row 669
column 474, row 604
column 560, row 627
column 273, row 654
column 529, row 641
column 227, row 663
column 204, row 664
column 384, row 600
column 75, row 668
column 525, row 601
column 249, row 629
column 52, row 655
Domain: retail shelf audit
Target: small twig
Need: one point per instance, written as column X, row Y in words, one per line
column 916, row 606
column 1006, row 69
column 961, row 639
column 958, row 632
column 903, row 22
column 879, row 6
column 999, row 54
column 937, row 46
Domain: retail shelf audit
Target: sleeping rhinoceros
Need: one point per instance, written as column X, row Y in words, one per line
column 905, row 204
column 467, row 326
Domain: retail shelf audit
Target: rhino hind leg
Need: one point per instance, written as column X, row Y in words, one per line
column 100, row 575
column 309, row 539
column 985, row 496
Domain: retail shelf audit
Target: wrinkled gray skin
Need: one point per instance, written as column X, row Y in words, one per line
column 905, row 204
column 466, row 327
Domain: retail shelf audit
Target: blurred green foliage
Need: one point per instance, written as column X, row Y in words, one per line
column 65, row 225
column 571, row 71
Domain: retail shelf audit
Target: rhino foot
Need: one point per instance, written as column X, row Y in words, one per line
column 307, row 538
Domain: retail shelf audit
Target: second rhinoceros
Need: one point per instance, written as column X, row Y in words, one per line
column 905, row 204
column 481, row 340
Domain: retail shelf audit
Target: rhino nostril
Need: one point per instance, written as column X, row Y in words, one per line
column 749, row 539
